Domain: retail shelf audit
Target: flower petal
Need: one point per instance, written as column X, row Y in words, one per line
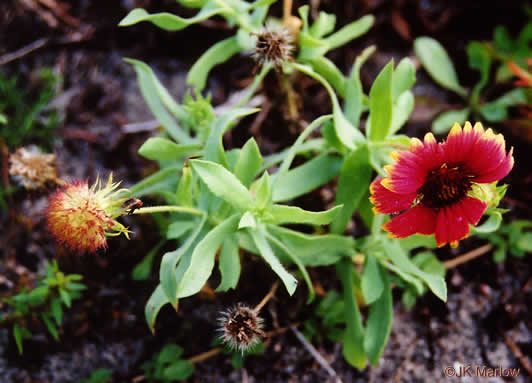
column 388, row 202
column 481, row 153
column 418, row 220
column 409, row 172
column 453, row 221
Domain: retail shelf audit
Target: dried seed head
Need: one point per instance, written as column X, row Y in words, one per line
column 82, row 217
column 31, row 168
column 241, row 327
column 273, row 45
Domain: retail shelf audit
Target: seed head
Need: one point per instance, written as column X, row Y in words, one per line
column 273, row 45
column 241, row 327
column 31, row 168
column 82, row 217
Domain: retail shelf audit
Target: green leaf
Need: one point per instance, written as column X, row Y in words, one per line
column 494, row 112
column 293, row 257
column 223, row 184
column 248, row 163
column 349, row 135
column 267, row 253
column 143, row 268
column 381, row 104
column 402, row 110
column 372, row 282
column 65, row 297
column 305, row 178
column 179, row 370
column 157, row 300
column 229, row 264
column 202, row 260
column 169, row 261
column 353, row 182
column 323, row 25
column 479, row 59
column 379, row 322
column 214, row 150
column 514, row 97
column 169, row 21
column 247, row 220
column 354, row 94
column 282, row 214
column 263, row 195
column 18, row 335
column 3, row 119
column 492, row 223
column 314, row 250
column 444, row 122
column 158, row 148
column 404, row 77
column 57, row 311
column 437, row 63
column 350, row 32
column 353, row 348
column 216, row 54
column 177, row 228
column 525, row 242
column 50, row 326
column 398, row 256
column 159, row 100
column 331, row 73
column 160, row 180
column 185, row 189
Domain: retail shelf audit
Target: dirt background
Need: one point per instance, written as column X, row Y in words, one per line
column 489, row 307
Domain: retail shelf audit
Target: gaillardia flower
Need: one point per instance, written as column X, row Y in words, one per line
column 82, row 217
column 241, row 327
column 435, row 188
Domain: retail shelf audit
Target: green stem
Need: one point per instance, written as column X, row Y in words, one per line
column 167, row 208
column 254, row 85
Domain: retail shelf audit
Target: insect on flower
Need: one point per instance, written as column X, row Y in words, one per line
column 82, row 217
column 132, row 204
column 434, row 187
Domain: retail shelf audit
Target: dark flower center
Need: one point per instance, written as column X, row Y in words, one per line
column 444, row 186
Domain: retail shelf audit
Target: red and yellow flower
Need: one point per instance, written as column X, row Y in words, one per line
column 434, row 187
column 82, row 217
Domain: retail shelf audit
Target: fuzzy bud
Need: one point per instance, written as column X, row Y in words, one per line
column 82, row 217
column 274, row 45
column 31, row 168
column 241, row 327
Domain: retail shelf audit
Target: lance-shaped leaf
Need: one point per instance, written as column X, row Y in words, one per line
column 347, row 133
column 169, row 21
column 372, row 283
column 222, row 183
column 353, row 182
column 437, row 63
column 314, row 250
column 282, row 214
column 157, row 300
column 159, row 148
column 202, row 261
column 353, row 348
column 307, row 177
column 266, row 252
column 216, row 54
column 160, row 101
column 170, row 260
column 381, row 105
column 248, row 163
column 379, row 322
column 354, row 93
column 164, row 179
column 229, row 264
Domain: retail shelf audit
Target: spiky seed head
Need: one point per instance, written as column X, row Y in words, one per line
column 241, row 327
column 274, row 45
column 31, row 168
column 82, row 217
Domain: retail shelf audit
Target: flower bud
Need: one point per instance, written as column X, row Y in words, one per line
column 241, row 327
column 82, row 217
